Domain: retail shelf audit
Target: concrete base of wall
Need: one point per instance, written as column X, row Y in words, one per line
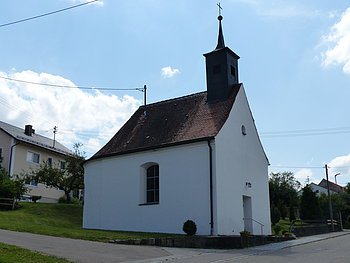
column 314, row 230
column 213, row 242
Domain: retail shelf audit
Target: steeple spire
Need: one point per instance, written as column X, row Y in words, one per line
column 221, row 69
column 221, row 42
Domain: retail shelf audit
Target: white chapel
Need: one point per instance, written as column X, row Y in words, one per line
column 196, row 157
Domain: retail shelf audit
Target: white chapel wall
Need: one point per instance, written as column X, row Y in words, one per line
column 113, row 191
column 240, row 160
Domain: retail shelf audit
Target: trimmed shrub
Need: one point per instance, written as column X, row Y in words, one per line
column 189, row 228
column 244, row 233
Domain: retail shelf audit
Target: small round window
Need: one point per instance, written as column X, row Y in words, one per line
column 244, row 132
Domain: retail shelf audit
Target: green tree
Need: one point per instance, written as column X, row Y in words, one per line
column 340, row 204
column 309, row 205
column 283, row 188
column 11, row 187
column 68, row 179
column 275, row 215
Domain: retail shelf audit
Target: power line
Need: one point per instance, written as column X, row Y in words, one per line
column 310, row 132
column 306, row 130
column 47, row 14
column 69, row 87
column 307, row 167
column 297, row 167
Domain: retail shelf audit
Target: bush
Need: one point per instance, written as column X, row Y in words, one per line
column 11, row 188
column 244, row 233
column 189, row 228
column 63, row 200
column 7, row 188
column 277, row 229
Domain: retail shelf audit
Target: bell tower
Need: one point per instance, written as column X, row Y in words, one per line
column 221, row 68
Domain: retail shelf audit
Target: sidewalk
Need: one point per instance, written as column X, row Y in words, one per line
column 300, row 241
column 221, row 256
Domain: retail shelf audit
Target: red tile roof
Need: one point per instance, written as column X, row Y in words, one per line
column 332, row 186
column 171, row 122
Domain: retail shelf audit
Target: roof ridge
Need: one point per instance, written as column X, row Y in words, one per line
column 36, row 139
column 173, row 99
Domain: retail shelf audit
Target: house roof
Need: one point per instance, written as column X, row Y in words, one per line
column 35, row 139
column 332, row 186
column 177, row 121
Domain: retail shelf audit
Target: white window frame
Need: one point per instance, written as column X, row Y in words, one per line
column 143, row 184
column 30, row 157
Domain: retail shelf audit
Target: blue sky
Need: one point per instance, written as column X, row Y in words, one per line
column 295, row 66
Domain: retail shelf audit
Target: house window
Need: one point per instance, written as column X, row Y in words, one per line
column 30, row 181
column 33, row 183
column 49, row 162
column 62, row 165
column 33, row 157
column 152, row 184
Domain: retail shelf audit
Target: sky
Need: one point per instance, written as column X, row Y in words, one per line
column 294, row 65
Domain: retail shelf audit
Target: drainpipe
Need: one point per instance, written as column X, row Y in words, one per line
column 211, row 188
column 10, row 162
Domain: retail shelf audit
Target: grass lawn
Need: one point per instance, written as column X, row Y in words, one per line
column 12, row 254
column 62, row 220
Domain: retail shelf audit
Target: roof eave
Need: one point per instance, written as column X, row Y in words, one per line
column 150, row 148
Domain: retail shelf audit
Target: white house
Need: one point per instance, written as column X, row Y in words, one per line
column 322, row 188
column 196, row 157
column 23, row 151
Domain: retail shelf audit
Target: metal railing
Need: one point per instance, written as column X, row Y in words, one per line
column 259, row 223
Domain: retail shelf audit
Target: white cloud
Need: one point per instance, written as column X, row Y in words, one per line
column 99, row 2
column 340, row 164
column 279, row 9
column 304, row 176
column 169, row 72
column 91, row 117
column 338, row 44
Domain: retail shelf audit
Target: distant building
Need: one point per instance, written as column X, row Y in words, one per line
column 321, row 188
column 22, row 150
column 332, row 186
column 196, row 157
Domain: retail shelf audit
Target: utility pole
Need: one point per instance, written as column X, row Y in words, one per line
column 144, row 90
column 54, row 136
column 329, row 198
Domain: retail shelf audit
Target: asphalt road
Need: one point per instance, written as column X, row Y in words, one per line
column 328, row 248
column 81, row 251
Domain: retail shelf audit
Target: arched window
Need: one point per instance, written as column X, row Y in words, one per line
column 152, row 184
